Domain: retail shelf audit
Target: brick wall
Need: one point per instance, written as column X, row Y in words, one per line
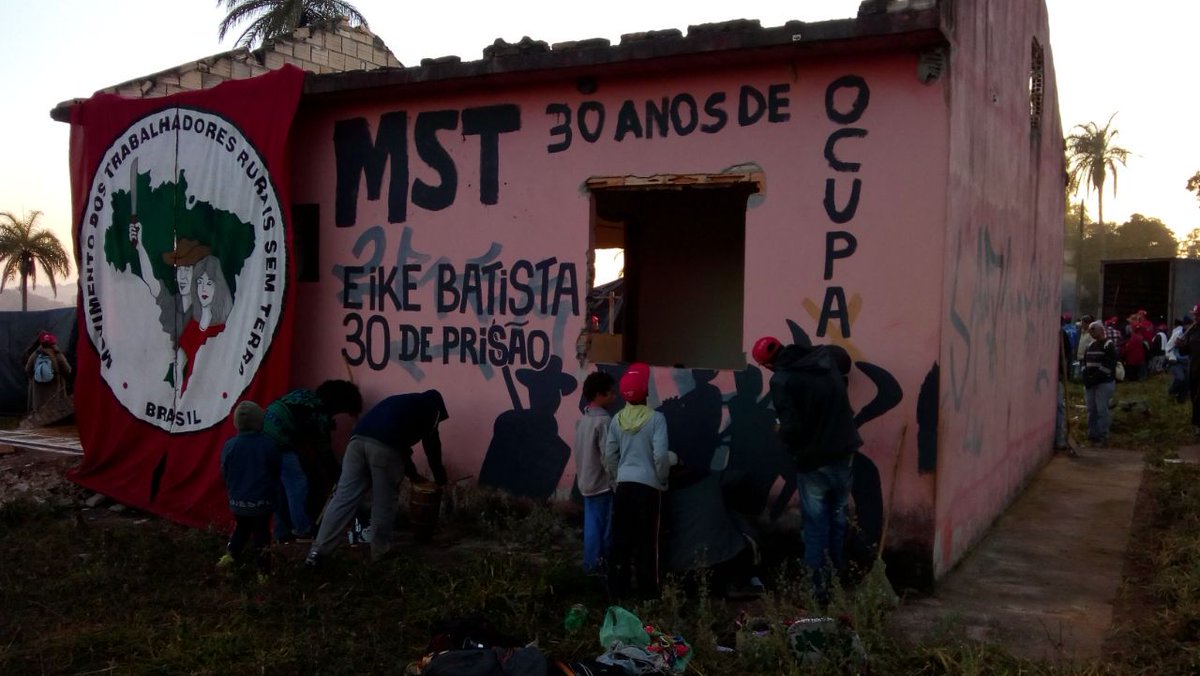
column 318, row 49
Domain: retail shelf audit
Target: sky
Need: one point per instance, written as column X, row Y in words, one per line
column 1110, row 56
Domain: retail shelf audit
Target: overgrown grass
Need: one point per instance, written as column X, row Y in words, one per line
column 1158, row 630
column 131, row 596
column 134, row 598
column 1156, row 625
column 1143, row 416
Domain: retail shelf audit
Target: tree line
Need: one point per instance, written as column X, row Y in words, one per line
column 1093, row 160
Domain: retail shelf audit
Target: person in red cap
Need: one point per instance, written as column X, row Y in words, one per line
column 1133, row 355
column 47, row 368
column 636, row 456
column 816, row 423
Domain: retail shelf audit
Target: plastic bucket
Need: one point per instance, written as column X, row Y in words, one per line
column 424, row 502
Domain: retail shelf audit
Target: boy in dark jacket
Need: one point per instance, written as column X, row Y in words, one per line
column 250, row 468
column 816, row 422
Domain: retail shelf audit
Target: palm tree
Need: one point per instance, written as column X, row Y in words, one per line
column 1092, row 156
column 23, row 247
column 276, row 18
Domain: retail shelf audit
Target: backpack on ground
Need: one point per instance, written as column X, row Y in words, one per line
column 43, row 368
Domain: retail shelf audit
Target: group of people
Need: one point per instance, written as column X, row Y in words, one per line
column 623, row 463
column 623, row 466
column 1101, row 353
column 281, row 464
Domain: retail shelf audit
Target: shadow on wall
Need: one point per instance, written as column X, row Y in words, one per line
column 527, row 456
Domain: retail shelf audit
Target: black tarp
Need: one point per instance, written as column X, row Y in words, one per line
column 18, row 331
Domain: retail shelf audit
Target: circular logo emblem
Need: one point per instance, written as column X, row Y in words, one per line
column 184, row 267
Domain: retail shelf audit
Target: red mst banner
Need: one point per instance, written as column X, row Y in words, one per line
column 183, row 243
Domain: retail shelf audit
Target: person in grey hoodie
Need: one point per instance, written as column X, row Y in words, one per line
column 595, row 484
column 636, row 455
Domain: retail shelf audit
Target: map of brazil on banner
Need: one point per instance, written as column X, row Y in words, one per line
column 183, row 244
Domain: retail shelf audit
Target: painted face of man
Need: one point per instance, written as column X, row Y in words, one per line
column 183, row 278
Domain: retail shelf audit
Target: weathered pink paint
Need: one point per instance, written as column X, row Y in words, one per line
column 943, row 169
column 1003, row 268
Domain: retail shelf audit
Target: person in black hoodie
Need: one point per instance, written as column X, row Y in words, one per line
column 816, row 423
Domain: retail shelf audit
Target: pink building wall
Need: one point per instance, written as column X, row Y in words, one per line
column 951, row 347
column 542, row 213
column 1003, row 266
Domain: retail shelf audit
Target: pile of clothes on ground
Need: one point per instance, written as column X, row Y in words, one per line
column 473, row 647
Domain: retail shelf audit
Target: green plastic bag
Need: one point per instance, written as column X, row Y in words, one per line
column 622, row 626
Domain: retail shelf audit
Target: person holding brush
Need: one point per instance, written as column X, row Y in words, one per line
column 816, row 423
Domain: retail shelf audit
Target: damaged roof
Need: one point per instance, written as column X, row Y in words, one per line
column 880, row 25
column 898, row 24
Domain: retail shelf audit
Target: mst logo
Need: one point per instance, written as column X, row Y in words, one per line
column 184, row 267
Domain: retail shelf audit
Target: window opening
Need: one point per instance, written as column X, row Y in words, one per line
column 306, row 222
column 668, row 259
column 1037, row 84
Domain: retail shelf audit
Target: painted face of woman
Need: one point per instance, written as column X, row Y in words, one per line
column 205, row 288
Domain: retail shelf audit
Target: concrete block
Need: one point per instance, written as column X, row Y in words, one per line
column 320, row 55
column 222, row 68
column 302, row 52
column 208, row 80
column 191, row 80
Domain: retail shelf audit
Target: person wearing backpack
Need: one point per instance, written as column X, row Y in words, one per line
column 47, row 369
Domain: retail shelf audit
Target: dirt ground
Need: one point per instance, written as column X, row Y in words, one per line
column 1042, row 583
column 39, row 476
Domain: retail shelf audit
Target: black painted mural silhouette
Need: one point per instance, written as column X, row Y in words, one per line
column 694, row 418
column 526, row 455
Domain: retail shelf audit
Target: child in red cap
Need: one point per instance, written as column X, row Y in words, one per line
column 636, row 456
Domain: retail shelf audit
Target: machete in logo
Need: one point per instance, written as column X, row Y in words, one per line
column 184, row 267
